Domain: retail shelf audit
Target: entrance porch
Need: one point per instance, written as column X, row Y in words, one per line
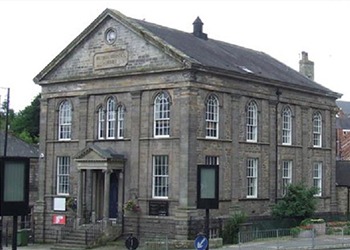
column 100, row 186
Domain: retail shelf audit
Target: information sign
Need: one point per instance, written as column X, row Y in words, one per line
column 201, row 242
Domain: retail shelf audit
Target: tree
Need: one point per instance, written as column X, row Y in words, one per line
column 3, row 110
column 299, row 203
column 25, row 123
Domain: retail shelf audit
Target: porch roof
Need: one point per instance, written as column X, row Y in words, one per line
column 95, row 158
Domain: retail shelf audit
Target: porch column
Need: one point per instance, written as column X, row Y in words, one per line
column 107, row 174
column 93, row 197
column 80, row 197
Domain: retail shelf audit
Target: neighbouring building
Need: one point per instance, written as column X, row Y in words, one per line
column 343, row 131
column 343, row 186
column 130, row 108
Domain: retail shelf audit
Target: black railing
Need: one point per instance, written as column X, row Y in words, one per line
column 92, row 232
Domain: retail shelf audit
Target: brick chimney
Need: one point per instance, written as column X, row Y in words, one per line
column 198, row 29
column 306, row 67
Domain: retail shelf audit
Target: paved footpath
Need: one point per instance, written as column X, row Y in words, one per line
column 109, row 247
column 321, row 242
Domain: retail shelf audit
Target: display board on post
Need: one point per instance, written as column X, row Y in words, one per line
column 207, row 191
column 14, row 190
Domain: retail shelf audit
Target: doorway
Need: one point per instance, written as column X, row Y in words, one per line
column 113, row 196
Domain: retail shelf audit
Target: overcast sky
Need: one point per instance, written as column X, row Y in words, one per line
column 34, row 32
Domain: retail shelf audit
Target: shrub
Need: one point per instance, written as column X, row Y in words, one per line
column 299, row 202
column 295, row 231
column 310, row 221
column 231, row 228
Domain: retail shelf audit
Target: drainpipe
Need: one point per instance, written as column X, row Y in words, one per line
column 278, row 93
column 123, row 197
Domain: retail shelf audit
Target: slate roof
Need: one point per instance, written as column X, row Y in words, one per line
column 17, row 147
column 344, row 106
column 108, row 154
column 343, row 119
column 343, row 173
column 215, row 54
column 204, row 54
column 342, row 123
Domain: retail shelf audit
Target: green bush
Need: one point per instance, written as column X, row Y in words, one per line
column 231, row 228
column 299, row 202
column 310, row 221
column 295, row 231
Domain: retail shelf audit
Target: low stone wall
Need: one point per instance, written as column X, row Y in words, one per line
column 320, row 228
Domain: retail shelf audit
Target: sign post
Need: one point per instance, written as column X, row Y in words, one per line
column 207, row 192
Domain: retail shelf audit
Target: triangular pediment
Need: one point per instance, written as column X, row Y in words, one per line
column 130, row 50
column 90, row 154
column 94, row 157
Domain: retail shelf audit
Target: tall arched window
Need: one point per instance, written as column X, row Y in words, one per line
column 120, row 112
column 101, row 123
column 65, row 121
column 212, row 117
column 252, row 122
column 317, row 130
column 286, row 126
column 111, row 115
column 162, row 115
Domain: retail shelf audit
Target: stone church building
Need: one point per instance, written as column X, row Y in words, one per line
column 129, row 110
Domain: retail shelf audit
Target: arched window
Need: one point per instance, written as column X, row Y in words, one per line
column 111, row 115
column 286, row 126
column 252, row 122
column 317, row 130
column 120, row 112
column 101, row 123
column 212, row 117
column 162, row 115
column 65, row 121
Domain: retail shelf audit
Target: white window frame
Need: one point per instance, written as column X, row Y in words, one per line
column 110, row 118
column 287, row 126
column 63, row 174
column 65, row 121
column 317, row 130
column 211, row 160
column 252, row 122
column 160, row 177
column 120, row 123
column 317, row 177
column 287, row 168
column 252, row 178
column 161, row 126
column 101, row 123
column 212, row 117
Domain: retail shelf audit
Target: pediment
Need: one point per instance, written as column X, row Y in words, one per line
column 90, row 154
column 95, row 158
column 92, row 56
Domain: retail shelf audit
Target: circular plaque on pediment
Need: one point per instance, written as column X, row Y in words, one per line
column 110, row 36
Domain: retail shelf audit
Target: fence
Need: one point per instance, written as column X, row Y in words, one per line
column 157, row 243
column 283, row 239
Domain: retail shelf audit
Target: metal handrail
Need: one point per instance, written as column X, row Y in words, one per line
column 95, row 229
column 66, row 229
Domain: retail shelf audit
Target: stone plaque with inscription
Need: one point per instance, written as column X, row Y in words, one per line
column 159, row 208
column 111, row 59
